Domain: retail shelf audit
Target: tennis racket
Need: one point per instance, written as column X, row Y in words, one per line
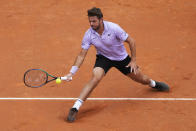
column 38, row 77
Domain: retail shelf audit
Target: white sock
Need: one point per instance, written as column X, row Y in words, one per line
column 77, row 104
column 152, row 83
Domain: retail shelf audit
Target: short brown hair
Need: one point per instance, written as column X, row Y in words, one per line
column 95, row 12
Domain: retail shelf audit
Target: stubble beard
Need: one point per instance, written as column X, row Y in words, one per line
column 97, row 28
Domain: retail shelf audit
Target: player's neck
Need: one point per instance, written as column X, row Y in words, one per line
column 101, row 29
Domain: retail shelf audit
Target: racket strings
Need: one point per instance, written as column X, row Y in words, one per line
column 35, row 78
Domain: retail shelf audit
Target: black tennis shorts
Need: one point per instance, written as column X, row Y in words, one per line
column 106, row 64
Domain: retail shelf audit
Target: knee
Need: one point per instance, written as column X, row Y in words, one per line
column 98, row 74
column 96, row 79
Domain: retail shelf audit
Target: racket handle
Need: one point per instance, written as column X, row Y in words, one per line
column 65, row 78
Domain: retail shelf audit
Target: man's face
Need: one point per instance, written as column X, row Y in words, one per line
column 94, row 22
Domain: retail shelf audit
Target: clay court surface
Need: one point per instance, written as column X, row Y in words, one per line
column 47, row 34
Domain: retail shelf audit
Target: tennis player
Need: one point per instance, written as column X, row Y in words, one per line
column 107, row 38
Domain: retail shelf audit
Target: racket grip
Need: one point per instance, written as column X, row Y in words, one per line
column 65, row 78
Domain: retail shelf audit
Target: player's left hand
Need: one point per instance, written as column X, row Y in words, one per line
column 133, row 67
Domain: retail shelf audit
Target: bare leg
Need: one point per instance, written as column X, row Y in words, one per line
column 145, row 80
column 98, row 74
column 139, row 77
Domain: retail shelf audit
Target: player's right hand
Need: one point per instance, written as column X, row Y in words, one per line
column 69, row 77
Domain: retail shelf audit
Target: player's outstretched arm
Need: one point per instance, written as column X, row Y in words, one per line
column 80, row 58
column 78, row 62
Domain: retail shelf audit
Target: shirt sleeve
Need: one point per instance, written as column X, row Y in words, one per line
column 86, row 42
column 120, row 33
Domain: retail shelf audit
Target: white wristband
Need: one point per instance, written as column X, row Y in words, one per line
column 74, row 69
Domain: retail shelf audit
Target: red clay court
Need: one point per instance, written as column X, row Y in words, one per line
column 47, row 34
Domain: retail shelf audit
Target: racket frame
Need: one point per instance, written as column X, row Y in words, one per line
column 47, row 74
